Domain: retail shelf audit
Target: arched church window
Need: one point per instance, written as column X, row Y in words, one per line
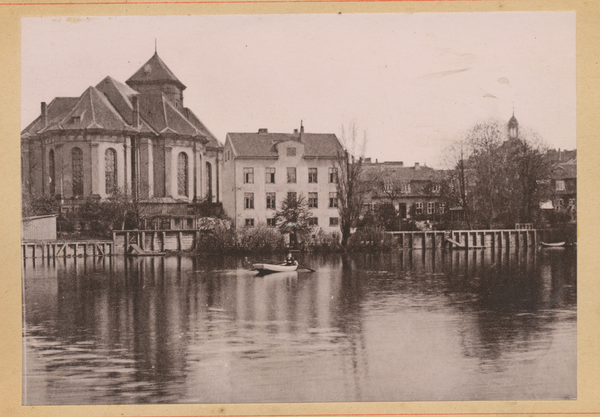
column 52, row 169
column 77, row 171
column 182, row 174
column 110, row 171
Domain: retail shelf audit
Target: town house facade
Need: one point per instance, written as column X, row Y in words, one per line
column 260, row 169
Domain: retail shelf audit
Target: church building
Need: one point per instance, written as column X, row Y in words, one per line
column 135, row 137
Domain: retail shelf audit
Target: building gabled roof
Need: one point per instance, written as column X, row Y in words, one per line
column 154, row 71
column 565, row 170
column 257, row 145
column 92, row 111
column 403, row 174
column 164, row 117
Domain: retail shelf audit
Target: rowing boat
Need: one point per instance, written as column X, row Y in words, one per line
column 264, row 268
column 553, row 245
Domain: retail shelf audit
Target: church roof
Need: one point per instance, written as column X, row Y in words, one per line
column 154, row 71
column 110, row 106
column 92, row 111
column 212, row 140
column 57, row 109
column 257, row 145
column 164, row 117
column 119, row 95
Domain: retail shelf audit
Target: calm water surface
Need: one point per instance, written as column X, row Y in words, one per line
column 401, row 326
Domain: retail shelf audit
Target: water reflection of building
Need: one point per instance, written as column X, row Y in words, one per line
column 184, row 331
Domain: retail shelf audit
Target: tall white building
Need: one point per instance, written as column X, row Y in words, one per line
column 260, row 169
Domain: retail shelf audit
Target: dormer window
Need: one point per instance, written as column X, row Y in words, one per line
column 76, row 119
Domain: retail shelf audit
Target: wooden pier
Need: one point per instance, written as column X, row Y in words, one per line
column 66, row 249
column 156, row 240
column 472, row 239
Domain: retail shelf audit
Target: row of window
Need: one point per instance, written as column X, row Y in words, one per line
column 291, row 175
column 313, row 200
column 405, row 188
column 110, row 172
column 560, row 204
column 312, row 221
column 430, row 208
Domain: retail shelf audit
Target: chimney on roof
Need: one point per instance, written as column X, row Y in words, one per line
column 295, row 130
column 263, row 130
column 559, row 155
column 301, row 127
column 44, row 114
column 417, row 166
column 136, row 111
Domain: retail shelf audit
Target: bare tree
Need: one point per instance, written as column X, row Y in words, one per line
column 350, row 188
column 497, row 180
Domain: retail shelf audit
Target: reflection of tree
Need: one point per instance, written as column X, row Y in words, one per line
column 507, row 305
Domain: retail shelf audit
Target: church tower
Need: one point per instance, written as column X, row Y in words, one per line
column 154, row 77
column 513, row 127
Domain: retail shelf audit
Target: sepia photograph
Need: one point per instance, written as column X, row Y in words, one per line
column 299, row 208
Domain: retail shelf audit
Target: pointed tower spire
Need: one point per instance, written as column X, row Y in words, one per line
column 513, row 126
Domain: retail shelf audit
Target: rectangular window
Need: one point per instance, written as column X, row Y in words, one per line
column 313, row 221
column 418, row 208
column 248, row 201
column 249, row 222
column 291, row 151
column 248, row 175
column 334, row 221
column 430, row 208
column 313, row 200
column 291, row 195
column 560, row 185
column 312, row 175
column 436, row 188
column 405, row 188
column 571, row 202
column 291, row 175
column 333, row 200
column 271, row 223
column 387, row 187
column 271, row 201
column 559, row 204
column 442, row 208
column 270, row 175
column 333, row 175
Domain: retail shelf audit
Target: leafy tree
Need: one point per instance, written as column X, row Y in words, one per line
column 293, row 217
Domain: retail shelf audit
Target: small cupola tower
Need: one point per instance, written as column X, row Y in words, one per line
column 513, row 127
column 155, row 77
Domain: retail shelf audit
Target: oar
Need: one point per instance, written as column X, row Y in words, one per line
column 305, row 268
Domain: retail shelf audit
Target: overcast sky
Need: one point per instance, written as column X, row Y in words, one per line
column 414, row 82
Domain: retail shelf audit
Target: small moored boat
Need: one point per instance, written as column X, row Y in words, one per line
column 264, row 268
column 553, row 245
